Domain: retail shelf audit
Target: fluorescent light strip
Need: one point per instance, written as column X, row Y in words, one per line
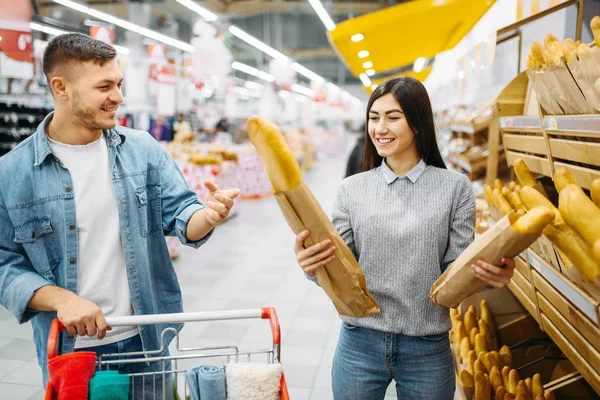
column 370, row 72
column 307, row 73
column 419, row 64
column 361, row 54
column 252, row 71
column 127, row 25
column 253, row 85
column 53, row 31
column 357, row 38
column 368, row 64
column 251, row 40
column 302, row 90
column 365, row 79
column 322, row 13
column 201, row 11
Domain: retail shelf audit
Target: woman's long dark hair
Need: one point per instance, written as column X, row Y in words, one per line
column 414, row 100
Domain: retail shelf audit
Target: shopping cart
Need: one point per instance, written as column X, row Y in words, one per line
column 273, row 355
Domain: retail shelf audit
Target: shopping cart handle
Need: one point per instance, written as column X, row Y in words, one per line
column 264, row 313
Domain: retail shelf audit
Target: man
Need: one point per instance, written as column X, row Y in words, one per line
column 355, row 160
column 84, row 207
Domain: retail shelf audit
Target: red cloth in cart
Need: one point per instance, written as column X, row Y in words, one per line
column 70, row 375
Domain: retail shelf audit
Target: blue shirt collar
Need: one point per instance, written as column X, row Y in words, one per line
column 41, row 146
column 412, row 175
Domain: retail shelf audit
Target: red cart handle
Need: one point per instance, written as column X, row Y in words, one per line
column 264, row 313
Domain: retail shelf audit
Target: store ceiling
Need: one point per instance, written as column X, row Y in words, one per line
column 397, row 36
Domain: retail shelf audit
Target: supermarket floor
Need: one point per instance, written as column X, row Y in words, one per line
column 248, row 263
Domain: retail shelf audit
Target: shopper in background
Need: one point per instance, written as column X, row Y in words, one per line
column 406, row 219
column 356, row 157
column 84, row 208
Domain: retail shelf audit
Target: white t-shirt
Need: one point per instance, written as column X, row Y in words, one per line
column 101, row 270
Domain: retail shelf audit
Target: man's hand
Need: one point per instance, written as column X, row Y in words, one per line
column 82, row 317
column 218, row 203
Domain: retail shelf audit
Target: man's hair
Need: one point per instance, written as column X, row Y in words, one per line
column 75, row 47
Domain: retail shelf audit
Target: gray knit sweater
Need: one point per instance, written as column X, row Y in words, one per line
column 404, row 232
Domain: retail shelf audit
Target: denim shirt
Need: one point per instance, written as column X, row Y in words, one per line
column 38, row 239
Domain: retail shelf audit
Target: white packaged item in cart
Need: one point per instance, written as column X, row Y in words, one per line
column 253, row 381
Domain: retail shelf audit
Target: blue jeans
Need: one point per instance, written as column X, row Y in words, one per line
column 149, row 387
column 367, row 360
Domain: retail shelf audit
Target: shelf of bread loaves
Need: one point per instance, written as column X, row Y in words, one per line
column 501, row 352
column 558, row 278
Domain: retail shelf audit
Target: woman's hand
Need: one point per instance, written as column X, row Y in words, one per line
column 314, row 257
column 495, row 276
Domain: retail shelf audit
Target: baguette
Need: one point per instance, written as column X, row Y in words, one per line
column 509, row 396
column 595, row 25
column 479, row 367
column 563, row 177
column 505, row 191
column 580, row 213
column 496, row 379
column 515, row 200
column 535, row 221
column 512, row 185
column 521, row 397
column 506, row 355
column 536, row 385
column 595, row 192
column 471, row 358
column 488, row 361
column 498, row 184
column 501, row 202
column 486, row 315
column 472, row 335
column 482, row 387
column 549, row 395
column 465, row 347
column 537, row 55
column 470, row 320
column 523, row 391
column 554, row 48
column 281, row 165
column 506, row 376
column 489, row 194
column 466, row 378
column 480, row 344
column 513, row 381
column 498, row 360
column 459, row 334
column 539, row 397
column 523, row 173
column 582, row 50
column 501, row 392
column 529, row 385
column 570, row 50
column 563, row 236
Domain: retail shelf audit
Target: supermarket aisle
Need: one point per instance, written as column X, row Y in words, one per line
column 248, row 263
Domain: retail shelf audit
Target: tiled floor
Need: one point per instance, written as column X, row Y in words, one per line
column 248, row 263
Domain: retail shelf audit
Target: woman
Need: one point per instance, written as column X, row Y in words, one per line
column 406, row 219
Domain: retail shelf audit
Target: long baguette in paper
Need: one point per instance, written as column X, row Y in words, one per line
column 342, row 279
column 509, row 237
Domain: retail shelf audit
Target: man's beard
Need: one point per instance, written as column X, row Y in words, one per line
column 88, row 117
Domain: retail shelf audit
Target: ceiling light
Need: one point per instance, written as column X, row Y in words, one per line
column 307, row 73
column 357, row 38
column 253, row 85
column 365, row 80
column 201, row 11
column 370, row 72
column 373, row 87
column 361, row 54
column 368, row 64
column 419, row 64
column 322, row 13
column 127, row 25
column 251, row 40
column 252, row 71
column 302, row 90
column 55, row 32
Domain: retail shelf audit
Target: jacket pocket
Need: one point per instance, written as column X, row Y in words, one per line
column 149, row 209
column 39, row 241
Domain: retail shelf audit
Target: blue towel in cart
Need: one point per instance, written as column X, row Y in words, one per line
column 206, row 382
column 109, row 385
column 211, row 381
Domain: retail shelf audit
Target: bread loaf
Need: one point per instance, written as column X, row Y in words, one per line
column 506, row 376
column 470, row 320
column 479, row 367
column 501, row 392
column 488, row 361
column 498, row 184
column 523, row 173
column 582, row 50
column 535, row 221
column 595, row 25
column 281, row 165
column 536, row 385
column 506, row 355
column 563, row 236
column 595, row 192
column 515, row 201
column 570, row 50
column 459, row 334
column 549, row 395
column 496, row 379
column 482, row 387
column 486, row 315
column 513, row 381
column 489, row 195
column 512, row 185
column 553, row 47
column 580, row 213
column 523, row 391
column 471, row 358
column 481, row 344
column 562, row 178
column 501, row 202
column 472, row 335
column 537, row 56
column 505, row 191
column 465, row 347
column 498, row 360
column 466, row 378
column 509, row 396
